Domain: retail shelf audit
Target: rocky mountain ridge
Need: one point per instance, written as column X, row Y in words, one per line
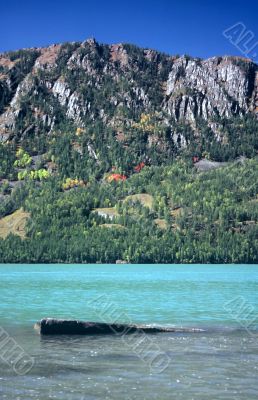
column 83, row 83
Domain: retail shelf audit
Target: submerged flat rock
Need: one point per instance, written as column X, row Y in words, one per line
column 52, row 326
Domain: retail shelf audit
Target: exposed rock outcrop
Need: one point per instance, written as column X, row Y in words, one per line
column 94, row 82
column 48, row 57
column 214, row 87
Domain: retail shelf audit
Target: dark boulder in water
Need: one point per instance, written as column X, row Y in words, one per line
column 51, row 326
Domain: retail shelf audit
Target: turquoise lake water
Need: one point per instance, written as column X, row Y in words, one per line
column 219, row 361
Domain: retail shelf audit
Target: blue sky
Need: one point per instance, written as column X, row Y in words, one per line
column 175, row 27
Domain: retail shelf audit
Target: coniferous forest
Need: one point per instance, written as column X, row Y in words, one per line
column 166, row 212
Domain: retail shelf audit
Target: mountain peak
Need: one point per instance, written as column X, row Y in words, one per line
column 88, row 82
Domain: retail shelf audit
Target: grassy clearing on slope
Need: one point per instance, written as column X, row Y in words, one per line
column 14, row 223
column 145, row 199
column 161, row 223
column 112, row 226
column 176, row 212
column 110, row 212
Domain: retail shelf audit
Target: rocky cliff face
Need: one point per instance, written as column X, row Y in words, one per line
column 87, row 82
column 215, row 87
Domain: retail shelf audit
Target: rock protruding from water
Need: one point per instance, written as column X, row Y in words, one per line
column 51, row 326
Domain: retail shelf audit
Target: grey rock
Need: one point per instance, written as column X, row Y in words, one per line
column 52, row 326
column 191, row 89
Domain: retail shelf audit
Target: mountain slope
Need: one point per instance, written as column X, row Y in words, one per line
column 88, row 82
column 121, row 153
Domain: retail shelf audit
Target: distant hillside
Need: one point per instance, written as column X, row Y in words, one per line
column 90, row 85
column 119, row 153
